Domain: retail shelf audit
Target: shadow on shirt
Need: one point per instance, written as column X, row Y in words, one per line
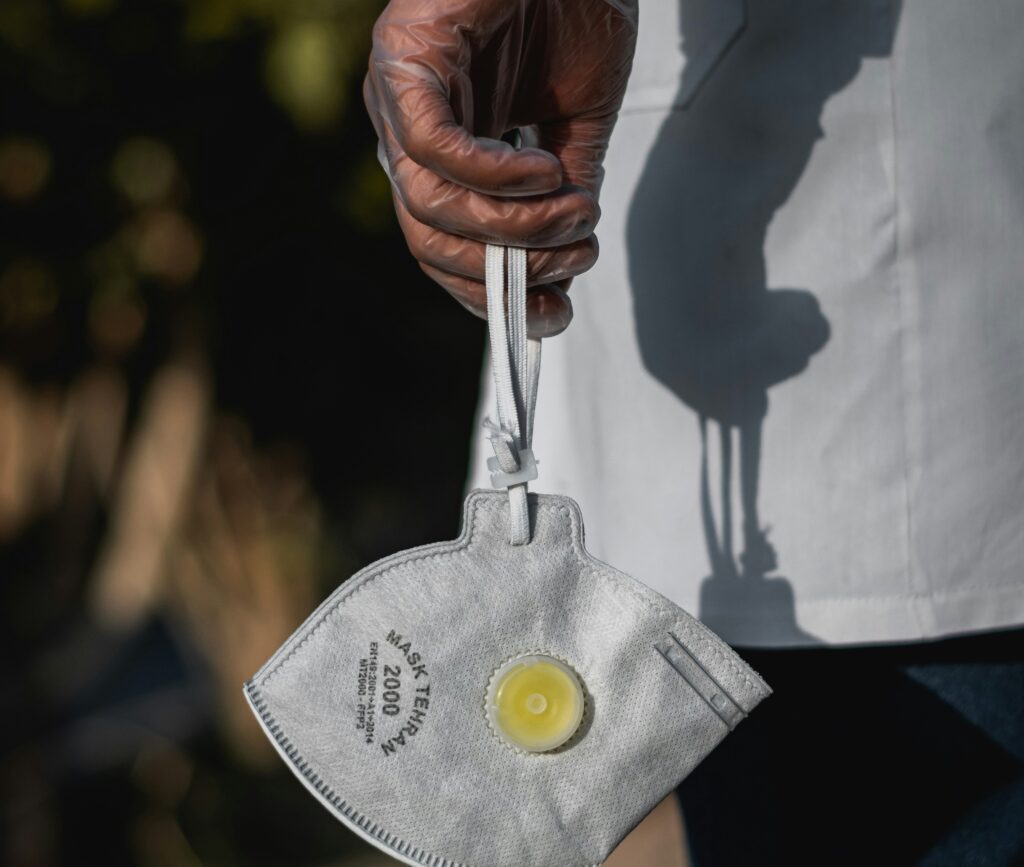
column 709, row 326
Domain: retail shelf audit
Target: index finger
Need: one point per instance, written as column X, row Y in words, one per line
column 415, row 106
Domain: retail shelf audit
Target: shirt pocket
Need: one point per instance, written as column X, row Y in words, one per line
column 680, row 43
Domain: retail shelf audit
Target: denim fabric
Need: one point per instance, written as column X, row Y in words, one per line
column 901, row 755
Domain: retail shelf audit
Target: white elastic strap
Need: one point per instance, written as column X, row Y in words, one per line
column 515, row 361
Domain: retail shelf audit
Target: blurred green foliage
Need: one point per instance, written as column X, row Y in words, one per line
column 214, row 350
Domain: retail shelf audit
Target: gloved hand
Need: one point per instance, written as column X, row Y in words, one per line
column 448, row 79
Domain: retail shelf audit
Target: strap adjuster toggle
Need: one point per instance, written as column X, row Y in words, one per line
column 527, row 471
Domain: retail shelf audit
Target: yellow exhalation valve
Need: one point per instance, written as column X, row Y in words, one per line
column 535, row 703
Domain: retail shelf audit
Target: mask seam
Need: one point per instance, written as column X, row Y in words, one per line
column 603, row 570
column 349, row 813
column 351, row 816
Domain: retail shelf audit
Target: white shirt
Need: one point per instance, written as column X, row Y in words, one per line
column 792, row 396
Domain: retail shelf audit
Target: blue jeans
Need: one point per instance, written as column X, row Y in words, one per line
column 906, row 754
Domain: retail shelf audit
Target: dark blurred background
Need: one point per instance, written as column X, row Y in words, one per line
column 224, row 387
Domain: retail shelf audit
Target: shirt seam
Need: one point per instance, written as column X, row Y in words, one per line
column 898, row 287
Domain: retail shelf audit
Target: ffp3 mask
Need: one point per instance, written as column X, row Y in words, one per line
column 502, row 699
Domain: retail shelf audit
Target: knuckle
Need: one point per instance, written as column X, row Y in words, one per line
column 412, row 143
column 571, row 221
column 544, row 266
column 417, row 142
column 416, row 241
column 416, row 195
column 588, row 215
column 564, row 262
column 445, row 144
column 413, row 248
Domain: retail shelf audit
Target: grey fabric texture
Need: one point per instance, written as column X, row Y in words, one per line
column 419, row 772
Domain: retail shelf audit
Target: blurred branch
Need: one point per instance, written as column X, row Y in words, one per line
column 246, row 572
column 152, row 497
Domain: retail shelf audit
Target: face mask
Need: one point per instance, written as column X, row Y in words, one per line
column 502, row 700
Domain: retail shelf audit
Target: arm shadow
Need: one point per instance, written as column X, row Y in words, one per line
column 709, row 326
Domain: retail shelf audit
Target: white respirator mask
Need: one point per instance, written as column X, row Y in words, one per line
column 503, row 699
